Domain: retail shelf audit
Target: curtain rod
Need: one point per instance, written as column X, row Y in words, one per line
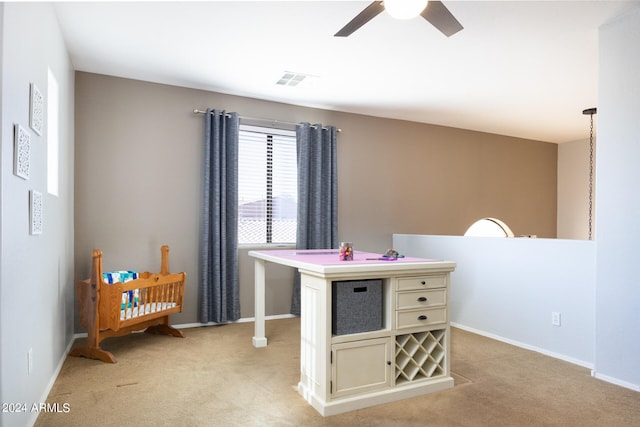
column 272, row 122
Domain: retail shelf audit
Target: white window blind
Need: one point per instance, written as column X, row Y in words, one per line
column 267, row 186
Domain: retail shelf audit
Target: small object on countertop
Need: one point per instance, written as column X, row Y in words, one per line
column 390, row 255
column 346, row 251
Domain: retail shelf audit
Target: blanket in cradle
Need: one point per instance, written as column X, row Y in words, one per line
column 112, row 277
column 129, row 298
column 130, row 307
column 150, row 307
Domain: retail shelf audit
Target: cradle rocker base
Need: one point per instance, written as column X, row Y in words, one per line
column 97, row 353
column 164, row 330
column 93, row 353
column 106, row 313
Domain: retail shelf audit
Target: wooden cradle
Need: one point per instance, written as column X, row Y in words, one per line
column 106, row 310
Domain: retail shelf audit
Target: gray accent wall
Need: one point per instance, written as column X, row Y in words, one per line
column 573, row 188
column 139, row 163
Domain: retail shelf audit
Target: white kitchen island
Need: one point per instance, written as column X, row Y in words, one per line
column 407, row 356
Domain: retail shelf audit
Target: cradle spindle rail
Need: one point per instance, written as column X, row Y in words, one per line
column 110, row 310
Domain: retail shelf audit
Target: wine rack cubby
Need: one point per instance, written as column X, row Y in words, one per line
column 420, row 355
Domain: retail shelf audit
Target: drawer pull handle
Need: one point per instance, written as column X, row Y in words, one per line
column 422, row 317
column 423, row 282
column 422, row 299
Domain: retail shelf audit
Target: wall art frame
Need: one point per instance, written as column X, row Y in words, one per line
column 36, row 110
column 21, row 152
column 36, row 208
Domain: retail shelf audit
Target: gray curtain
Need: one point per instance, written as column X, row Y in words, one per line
column 317, row 193
column 219, row 288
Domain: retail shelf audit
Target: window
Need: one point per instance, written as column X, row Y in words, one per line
column 267, row 186
column 489, row 227
column 53, row 161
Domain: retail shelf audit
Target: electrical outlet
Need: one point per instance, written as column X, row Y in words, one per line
column 29, row 361
column 555, row 318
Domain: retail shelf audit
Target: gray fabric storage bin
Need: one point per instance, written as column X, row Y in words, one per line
column 356, row 306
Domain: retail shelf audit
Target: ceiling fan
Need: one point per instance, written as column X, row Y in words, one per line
column 435, row 12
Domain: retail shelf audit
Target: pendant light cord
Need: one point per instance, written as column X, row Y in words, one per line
column 590, row 112
column 591, row 180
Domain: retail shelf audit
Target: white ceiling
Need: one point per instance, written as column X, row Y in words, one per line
column 518, row 68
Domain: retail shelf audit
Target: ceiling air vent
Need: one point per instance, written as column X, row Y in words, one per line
column 290, row 78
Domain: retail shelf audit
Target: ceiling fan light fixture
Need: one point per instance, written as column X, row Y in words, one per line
column 404, row 9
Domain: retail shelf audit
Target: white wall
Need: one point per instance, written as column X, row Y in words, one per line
column 36, row 272
column 618, row 204
column 2, row 155
column 507, row 288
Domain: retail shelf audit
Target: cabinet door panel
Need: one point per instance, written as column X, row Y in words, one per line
column 360, row 366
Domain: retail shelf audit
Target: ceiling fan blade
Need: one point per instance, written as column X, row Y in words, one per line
column 362, row 18
column 440, row 17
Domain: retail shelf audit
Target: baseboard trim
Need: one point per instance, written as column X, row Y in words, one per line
column 615, row 381
column 242, row 320
column 566, row 358
column 594, row 373
column 52, row 381
column 199, row 325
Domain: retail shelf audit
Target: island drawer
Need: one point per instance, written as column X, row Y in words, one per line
column 421, row 299
column 413, row 283
column 424, row 317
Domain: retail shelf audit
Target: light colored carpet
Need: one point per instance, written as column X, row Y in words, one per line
column 215, row 377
